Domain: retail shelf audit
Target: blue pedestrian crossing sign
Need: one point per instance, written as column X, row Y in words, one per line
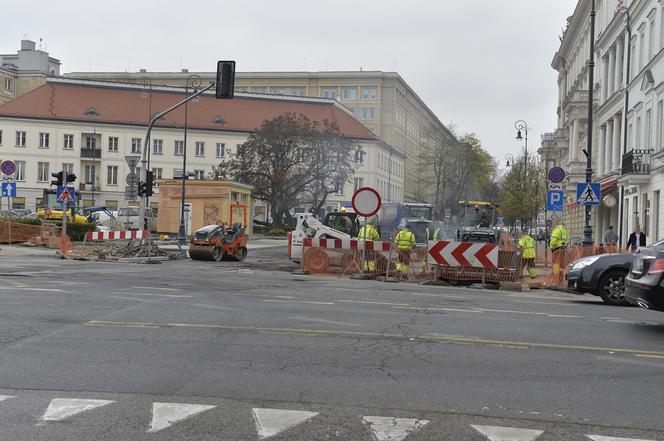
column 555, row 200
column 65, row 194
column 588, row 193
column 9, row 189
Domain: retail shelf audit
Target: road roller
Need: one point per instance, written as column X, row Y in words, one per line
column 217, row 242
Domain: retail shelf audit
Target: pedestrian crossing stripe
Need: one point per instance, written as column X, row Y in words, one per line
column 164, row 415
column 270, row 422
column 497, row 433
column 393, row 429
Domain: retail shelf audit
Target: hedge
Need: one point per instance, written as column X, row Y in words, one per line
column 76, row 232
column 27, row 220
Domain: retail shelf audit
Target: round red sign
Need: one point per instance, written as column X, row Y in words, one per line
column 366, row 201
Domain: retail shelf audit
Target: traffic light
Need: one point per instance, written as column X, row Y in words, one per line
column 225, row 79
column 58, row 181
column 145, row 188
column 141, row 188
column 71, row 177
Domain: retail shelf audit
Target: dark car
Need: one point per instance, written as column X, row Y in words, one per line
column 644, row 286
column 602, row 275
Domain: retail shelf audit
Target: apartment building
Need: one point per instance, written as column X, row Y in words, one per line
column 382, row 101
column 25, row 70
column 88, row 128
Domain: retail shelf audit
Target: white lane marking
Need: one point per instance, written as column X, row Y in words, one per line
column 393, row 429
column 372, row 302
column 162, row 295
column 224, row 308
column 6, row 397
column 31, row 289
column 270, row 422
column 130, row 298
column 296, row 301
column 61, row 408
column 158, row 288
column 315, row 320
column 613, row 438
column 496, row 433
column 164, row 415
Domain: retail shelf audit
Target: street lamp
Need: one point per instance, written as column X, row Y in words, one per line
column 587, row 228
column 194, row 81
column 522, row 134
column 509, row 157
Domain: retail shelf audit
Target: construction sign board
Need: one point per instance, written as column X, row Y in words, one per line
column 465, row 254
column 65, row 195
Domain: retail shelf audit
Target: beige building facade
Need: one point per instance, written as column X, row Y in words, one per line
column 382, row 101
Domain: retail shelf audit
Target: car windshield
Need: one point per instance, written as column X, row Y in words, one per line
column 128, row 211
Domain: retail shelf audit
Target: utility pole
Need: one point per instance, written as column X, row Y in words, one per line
column 588, row 229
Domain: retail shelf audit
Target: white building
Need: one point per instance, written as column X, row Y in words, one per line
column 90, row 127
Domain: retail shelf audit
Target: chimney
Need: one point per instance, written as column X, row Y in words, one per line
column 143, row 71
column 27, row 45
column 185, row 70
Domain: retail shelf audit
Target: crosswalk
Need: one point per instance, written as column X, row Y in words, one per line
column 276, row 423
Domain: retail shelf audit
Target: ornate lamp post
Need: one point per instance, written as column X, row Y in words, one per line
column 522, row 134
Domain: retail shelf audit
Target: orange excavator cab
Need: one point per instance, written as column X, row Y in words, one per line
column 216, row 242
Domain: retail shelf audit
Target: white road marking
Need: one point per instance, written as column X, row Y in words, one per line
column 270, row 422
column 372, row 302
column 393, row 429
column 224, row 308
column 61, row 408
column 495, row 433
column 6, row 397
column 315, row 320
column 162, row 295
column 130, row 298
column 613, row 438
column 164, row 415
column 30, row 289
column 157, row 287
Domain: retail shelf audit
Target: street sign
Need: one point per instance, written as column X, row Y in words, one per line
column 8, row 167
column 366, row 202
column 132, row 179
column 554, row 215
column 556, row 174
column 9, row 189
column 132, row 161
column 65, row 194
column 555, row 187
column 588, row 193
column 131, row 193
column 467, row 254
column 555, row 200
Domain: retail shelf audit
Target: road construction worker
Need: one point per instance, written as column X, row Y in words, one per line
column 369, row 232
column 528, row 254
column 405, row 242
column 558, row 243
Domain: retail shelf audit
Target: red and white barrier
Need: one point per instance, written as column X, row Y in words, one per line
column 466, row 254
column 348, row 244
column 116, row 235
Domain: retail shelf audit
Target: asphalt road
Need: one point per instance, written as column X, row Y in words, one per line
column 243, row 351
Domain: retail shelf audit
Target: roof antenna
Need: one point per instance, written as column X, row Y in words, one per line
column 40, row 43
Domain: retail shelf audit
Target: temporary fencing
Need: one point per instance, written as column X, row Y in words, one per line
column 116, row 235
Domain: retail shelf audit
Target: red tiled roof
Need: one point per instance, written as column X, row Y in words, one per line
column 118, row 105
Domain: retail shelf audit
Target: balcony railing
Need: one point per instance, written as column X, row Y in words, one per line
column 636, row 161
column 91, row 153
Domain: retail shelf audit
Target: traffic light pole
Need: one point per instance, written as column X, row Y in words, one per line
column 144, row 167
column 65, row 205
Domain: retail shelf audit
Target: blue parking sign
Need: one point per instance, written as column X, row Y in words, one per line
column 555, row 200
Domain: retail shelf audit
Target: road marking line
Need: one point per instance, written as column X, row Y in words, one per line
column 612, row 438
column 332, row 322
column 564, row 316
column 164, row 415
column 61, row 408
column 270, row 422
column 341, row 333
column 438, row 309
column 296, row 301
column 6, row 397
column 545, row 303
column 438, row 296
column 224, row 308
column 372, row 302
column 393, row 429
column 130, row 298
column 162, row 295
column 496, row 433
column 158, row 288
column 649, row 356
column 24, row 288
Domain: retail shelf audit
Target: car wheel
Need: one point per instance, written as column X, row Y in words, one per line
column 611, row 288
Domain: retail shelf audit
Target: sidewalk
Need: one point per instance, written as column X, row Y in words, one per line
column 23, row 251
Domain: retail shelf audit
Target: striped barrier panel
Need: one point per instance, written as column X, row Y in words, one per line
column 116, row 235
column 347, row 244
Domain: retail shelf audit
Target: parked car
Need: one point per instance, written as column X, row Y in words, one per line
column 602, row 275
column 129, row 219
column 644, row 286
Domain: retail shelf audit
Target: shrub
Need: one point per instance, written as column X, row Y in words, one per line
column 27, row 220
column 76, row 232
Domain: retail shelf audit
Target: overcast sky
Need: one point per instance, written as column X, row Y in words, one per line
column 480, row 64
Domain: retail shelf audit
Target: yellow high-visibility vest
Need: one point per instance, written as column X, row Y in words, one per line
column 405, row 240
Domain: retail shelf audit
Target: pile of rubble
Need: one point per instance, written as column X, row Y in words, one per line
column 127, row 250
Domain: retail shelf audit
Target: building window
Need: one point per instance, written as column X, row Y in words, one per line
column 157, row 173
column 157, row 147
column 358, row 183
column 68, row 168
column 648, row 141
column 660, row 125
column 339, row 187
column 20, row 139
column 359, row 157
column 259, row 89
column 90, row 174
column 239, row 151
column 638, row 133
column 112, row 175
column 200, row 148
column 276, row 91
column 369, row 93
column 0, row 137
column 329, row 92
column 42, row 171
column 349, row 93
column 90, row 142
column 199, row 174
column 111, row 204
column 113, row 144
column 43, row 140
column 69, row 142
column 18, row 203
column 8, row 84
column 19, row 175
column 221, row 149
column 368, row 113
column 297, row 91
column 136, row 145
column 651, row 38
column 179, row 148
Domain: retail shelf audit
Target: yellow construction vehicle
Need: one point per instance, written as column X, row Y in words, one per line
column 52, row 210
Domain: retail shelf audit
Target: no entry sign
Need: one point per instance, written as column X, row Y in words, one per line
column 366, row 201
